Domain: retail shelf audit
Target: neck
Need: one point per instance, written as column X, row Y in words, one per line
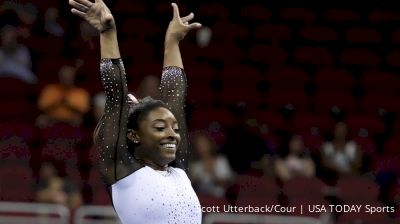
column 151, row 164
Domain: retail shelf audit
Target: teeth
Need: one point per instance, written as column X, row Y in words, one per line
column 169, row 145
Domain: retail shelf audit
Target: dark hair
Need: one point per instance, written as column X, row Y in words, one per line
column 137, row 112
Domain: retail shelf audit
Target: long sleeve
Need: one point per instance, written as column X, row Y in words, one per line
column 115, row 160
column 173, row 92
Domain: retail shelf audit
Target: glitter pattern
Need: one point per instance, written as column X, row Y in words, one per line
column 164, row 197
column 173, row 92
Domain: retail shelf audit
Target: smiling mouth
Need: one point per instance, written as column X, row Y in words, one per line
column 169, row 146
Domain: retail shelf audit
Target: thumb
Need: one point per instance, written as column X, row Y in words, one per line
column 194, row 26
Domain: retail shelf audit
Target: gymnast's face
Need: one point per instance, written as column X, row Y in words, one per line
column 159, row 137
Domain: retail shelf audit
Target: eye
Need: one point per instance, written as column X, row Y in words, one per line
column 177, row 130
column 159, row 128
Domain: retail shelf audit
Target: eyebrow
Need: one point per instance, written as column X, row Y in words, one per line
column 162, row 120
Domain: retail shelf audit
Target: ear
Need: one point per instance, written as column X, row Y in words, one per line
column 133, row 136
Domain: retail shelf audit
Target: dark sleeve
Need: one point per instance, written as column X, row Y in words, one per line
column 173, row 92
column 115, row 160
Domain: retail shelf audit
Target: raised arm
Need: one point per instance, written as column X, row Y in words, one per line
column 173, row 80
column 110, row 135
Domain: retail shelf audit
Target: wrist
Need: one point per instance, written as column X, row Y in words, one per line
column 171, row 39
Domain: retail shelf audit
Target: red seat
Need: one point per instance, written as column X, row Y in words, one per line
column 376, row 103
column 357, row 189
column 212, row 10
column 255, row 12
column 292, row 100
column 298, row 13
column 359, row 122
column 138, row 48
column 38, row 44
column 287, row 78
column 306, row 188
column 331, row 79
column 379, row 81
column 367, row 145
column 201, row 119
column 256, row 191
column 15, row 140
column 197, row 71
column 311, row 122
column 17, row 110
column 342, row 15
column 228, row 51
column 387, row 163
column 48, row 68
column 226, row 31
column 315, row 33
column 130, row 7
column 129, row 25
column 393, row 58
column 8, row 87
column 396, row 37
column 210, row 201
column 363, row 35
column 359, row 57
column 270, row 54
column 334, row 101
column 380, row 16
column 314, row 55
column 137, row 71
column 273, row 121
column 15, row 182
column 392, row 145
column 248, row 97
column 201, row 95
column 101, row 197
column 274, row 32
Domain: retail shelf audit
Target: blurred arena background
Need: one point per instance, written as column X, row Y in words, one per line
column 289, row 103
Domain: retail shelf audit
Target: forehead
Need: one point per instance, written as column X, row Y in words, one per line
column 160, row 113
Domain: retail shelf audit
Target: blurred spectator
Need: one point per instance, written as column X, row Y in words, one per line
column 148, row 87
column 51, row 25
column 63, row 102
column 203, row 36
column 296, row 162
column 15, row 59
column 211, row 173
column 26, row 13
column 341, row 155
column 99, row 103
column 52, row 188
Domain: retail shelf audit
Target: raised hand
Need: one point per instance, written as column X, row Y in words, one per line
column 95, row 13
column 180, row 26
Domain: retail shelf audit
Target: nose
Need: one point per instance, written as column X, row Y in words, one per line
column 172, row 134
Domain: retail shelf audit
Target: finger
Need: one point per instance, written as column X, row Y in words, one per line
column 194, row 26
column 78, row 6
column 187, row 18
column 78, row 13
column 132, row 98
column 85, row 3
column 176, row 11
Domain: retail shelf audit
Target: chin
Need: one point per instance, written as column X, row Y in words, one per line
column 168, row 158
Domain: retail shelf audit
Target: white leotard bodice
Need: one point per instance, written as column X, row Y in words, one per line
column 156, row 197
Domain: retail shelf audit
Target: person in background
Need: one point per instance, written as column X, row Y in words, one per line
column 63, row 102
column 211, row 173
column 15, row 59
column 295, row 162
column 341, row 155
